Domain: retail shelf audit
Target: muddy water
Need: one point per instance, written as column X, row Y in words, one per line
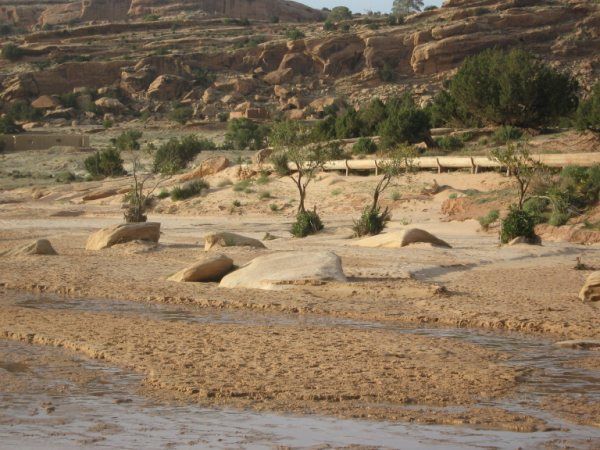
column 106, row 412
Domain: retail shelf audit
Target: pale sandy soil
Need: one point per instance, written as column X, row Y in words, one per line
column 359, row 373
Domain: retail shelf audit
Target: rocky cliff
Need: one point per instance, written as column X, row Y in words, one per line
column 23, row 13
column 276, row 72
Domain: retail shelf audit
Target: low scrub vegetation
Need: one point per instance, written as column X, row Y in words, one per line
column 307, row 223
column 105, row 163
column 188, row 190
column 174, row 155
column 245, row 134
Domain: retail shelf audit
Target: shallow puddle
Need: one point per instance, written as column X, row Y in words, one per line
column 106, row 412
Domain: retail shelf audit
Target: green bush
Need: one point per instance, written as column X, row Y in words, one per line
column 387, row 73
column 588, row 113
column 176, row 154
column 340, row 13
column 245, row 134
column 450, row 142
column 280, row 163
column 517, row 223
column 558, row 218
column 188, row 190
column 372, row 116
column 371, row 222
column 23, row 111
column 203, row 77
column 8, row 126
column 163, row 194
column 181, row 114
column 536, row 207
column 364, row 146
column 293, row 34
column 405, row 123
column 328, row 25
column 489, row 219
column 11, row 52
column 307, row 222
column 105, row 163
column 348, row 125
column 507, row 133
column 513, row 88
column 128, row 140
column 65, row 177
column 242, row 186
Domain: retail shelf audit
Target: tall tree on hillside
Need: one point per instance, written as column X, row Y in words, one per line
column 403, row 7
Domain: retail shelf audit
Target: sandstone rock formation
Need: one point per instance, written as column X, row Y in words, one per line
column 590, row 292
column 39, row 247
column 281, row 270
column 118, row 234
column 209, row 166
column 225, row 239
column 208, row 268
column 398, row 239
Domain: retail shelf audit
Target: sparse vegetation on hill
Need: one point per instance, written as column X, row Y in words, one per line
column 588, row 113
column 245, row 134
column 105, row 163
column 507, row 88
column 176, row 154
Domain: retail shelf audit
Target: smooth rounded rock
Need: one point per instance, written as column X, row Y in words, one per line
column 208, row 268
column 126, row 232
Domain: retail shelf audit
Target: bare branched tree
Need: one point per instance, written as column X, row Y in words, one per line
column 520, row 165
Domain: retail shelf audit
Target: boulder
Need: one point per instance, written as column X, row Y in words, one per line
column 590, row 292
column 118, row 234
column 209, row 166
column 45, row 102
column 402, row 238
column 208, row 268
column 281, row 270
column 244, row 86
column 230, row 240
column 39, row 247
column 279, row 76
column 211, row 95
column 167, row 87
column 110, row 104
column 97, row 195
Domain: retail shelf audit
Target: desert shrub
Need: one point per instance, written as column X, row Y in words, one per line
column 263, row 178
column 516, row 224
column 371, row 222
column 395, row 196
column 151, row 18
column 68, row 100
column 450, row 142
column 339, row 13
column 245, row 134
column 348, row 125
column 11, row 52
column 536, row 207
column 445, row 111
column 325, row 129
column 105, row 163
column 293, row 34
column 405, row 123
column 513, row 88
column 558, row 218
column 280, row 163
column 2, row 144
column 489, row 219
column 188, row 190
column 241, row 186
column 364, row 146
column 65, row 177
column 128, row 140
column 345, row 27
column 375, row 26
column 387, row 73
column 203, row 77
column 176, row 154
column 23, row 111
column 181, row 114
column 430, row 8
column 8, row 126
column 107, row 123
column 372, row 116
column 307, row 222
column 507, row 133
column 588, row 113
column 264, row 195
column 163, row 194
column 328, row 25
